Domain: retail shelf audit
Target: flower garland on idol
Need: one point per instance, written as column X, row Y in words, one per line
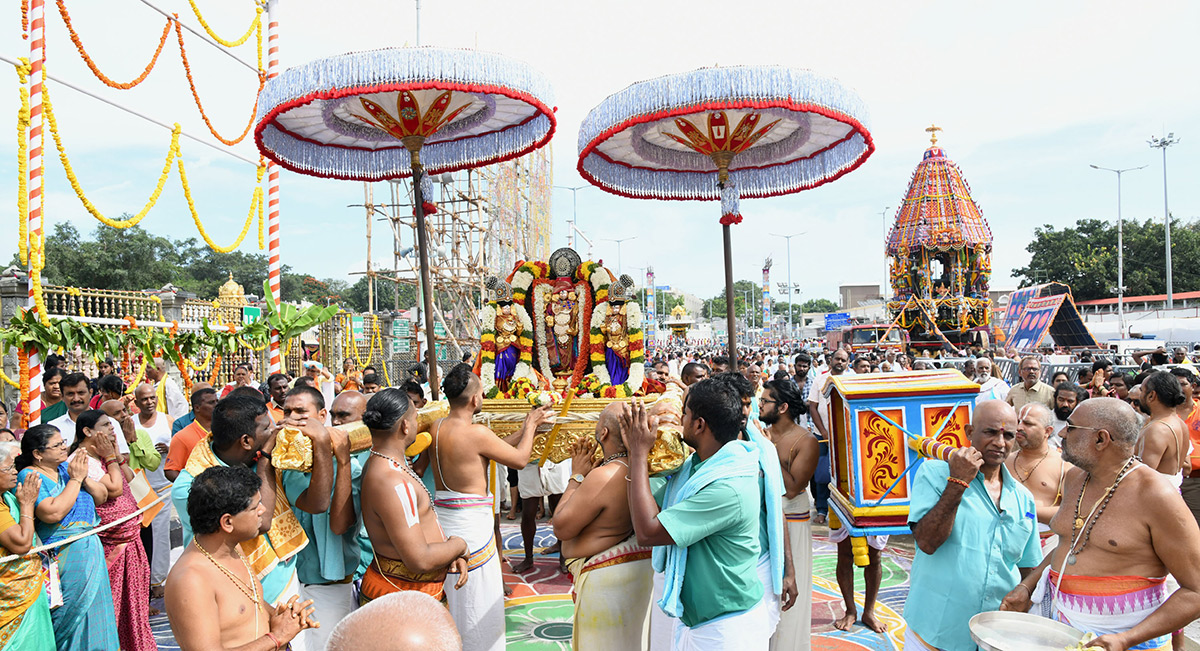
column 543, row 333
column 487, row 354
column 637, row 353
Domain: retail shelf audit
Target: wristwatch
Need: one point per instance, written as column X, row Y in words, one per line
column 577, row 477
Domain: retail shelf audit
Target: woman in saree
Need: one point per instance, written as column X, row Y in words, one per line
column 24, row 611
column 66, row 506
column 128, row 569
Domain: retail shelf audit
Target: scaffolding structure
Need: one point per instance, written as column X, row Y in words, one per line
column 487, row 220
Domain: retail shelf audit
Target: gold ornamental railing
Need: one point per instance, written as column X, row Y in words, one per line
column 102, row 303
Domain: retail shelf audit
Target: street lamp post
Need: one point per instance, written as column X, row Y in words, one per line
column 618, row 241
column 791, row 287
column 1163, row 143
column 574, row 223
column 1120, row 247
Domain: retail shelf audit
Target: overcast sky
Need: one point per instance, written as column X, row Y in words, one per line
column 1029, row 93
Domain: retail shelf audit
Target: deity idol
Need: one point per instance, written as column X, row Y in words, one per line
column 508, row 329
column 616, row 330
column 562, row 326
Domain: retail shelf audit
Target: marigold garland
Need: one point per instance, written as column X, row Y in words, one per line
column 23, row 360
column 66, row 17
column 23, row 120
column 16, row 384
column 256, row 205
column 257, row 24
column 73, row 179
column 187, row 69
column 133, row 384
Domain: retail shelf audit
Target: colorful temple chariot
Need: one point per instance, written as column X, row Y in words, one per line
column 940, row 256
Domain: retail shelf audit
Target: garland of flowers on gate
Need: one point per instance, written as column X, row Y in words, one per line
column 487, row 352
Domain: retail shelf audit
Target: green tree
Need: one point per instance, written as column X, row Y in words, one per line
column 817, row 305
column 1085, row 257
column 747, row 303
column 128, row 258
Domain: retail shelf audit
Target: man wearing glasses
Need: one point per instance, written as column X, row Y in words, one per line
column 1123, row 527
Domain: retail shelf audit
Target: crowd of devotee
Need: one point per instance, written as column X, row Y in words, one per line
column 1076, row 500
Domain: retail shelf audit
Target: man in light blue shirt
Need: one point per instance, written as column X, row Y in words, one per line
column 976, row 533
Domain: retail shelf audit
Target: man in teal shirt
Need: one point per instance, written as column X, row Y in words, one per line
column 705, row 533
column 325, row 566
column 976, row 533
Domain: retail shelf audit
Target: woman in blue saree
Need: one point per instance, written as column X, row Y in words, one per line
column 66, row 506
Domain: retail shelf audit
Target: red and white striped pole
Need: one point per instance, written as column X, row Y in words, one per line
column 37, row 58
column 273, row 271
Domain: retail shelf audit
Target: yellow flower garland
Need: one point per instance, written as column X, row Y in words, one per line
column 254, row 26
column 9, row 381
column 23, row 163
column 174, row 155
column 137, row 380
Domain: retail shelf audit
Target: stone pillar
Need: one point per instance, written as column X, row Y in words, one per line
column 14, row 293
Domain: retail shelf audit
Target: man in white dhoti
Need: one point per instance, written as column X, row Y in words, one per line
column 705, row 532
column 611, row 570
column 459, row 455
column 781, row 405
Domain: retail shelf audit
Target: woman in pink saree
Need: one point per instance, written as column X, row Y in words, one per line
column 128, row 570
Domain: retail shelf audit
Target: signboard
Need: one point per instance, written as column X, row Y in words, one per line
column 358, row 327
column 251, row 314
column 401, row 336
column 1035, row 322
column 835, row 320
column 438, row 329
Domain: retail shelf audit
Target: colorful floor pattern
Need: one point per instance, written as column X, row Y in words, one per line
column 540, row 609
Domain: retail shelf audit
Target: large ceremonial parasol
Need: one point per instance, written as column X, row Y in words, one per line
column 724, row 133
column 395, row 113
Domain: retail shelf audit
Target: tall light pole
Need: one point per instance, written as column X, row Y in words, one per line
column 1163, row 143
column 791, row 287
column 618, row 241
column 883, row 292
column 573, row 225
column 1120, row 247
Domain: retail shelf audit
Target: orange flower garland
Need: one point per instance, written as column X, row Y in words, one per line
column 187, row 69
column 62, row 10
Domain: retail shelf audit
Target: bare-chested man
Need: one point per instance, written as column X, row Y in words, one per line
column 212, row 583
column 1039, row 467
column 1123, row 529
column 612, row 571
column 410, row 550
column 780, row 406
column 459, row 455
column 1163, row 444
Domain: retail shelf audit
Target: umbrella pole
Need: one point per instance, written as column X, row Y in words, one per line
column 729, row 320
column 426, row 286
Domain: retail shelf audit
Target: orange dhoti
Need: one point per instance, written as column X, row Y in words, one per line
column 387, row 575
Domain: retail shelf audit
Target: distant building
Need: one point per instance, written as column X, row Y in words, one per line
column 859, row 295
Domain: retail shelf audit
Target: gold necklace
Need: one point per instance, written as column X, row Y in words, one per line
column 251, row 593
column 1031, row 470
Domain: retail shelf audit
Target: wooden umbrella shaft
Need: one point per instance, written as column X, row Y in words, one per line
column 426, row 286
column 729, row 325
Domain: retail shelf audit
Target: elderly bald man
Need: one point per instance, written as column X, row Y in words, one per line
column 402, row 621
column 975, row 527
column 1124, row 528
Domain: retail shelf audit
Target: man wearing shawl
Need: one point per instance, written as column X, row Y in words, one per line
column 243, row 434
column 704, row 522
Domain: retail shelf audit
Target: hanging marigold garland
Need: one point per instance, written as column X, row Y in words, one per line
column 254, row 26
column 66, row 17
column 23, row 121
column 23, row 360
column 187, row 69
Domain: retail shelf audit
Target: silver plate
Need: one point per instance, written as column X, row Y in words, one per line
column 1007, row 631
